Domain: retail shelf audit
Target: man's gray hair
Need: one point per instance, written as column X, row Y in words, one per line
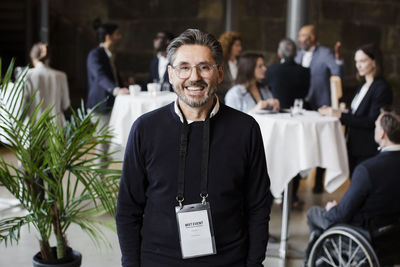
column 287, row 49
column 196, row 37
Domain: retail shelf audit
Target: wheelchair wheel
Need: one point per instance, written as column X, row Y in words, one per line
column 342, row 246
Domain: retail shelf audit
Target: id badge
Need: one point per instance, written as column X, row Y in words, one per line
column 195, row 229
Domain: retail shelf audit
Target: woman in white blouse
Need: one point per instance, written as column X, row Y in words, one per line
column 250, row 94
column 365, row 107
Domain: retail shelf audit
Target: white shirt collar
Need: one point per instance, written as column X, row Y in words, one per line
column 233, row 68
column 159, row 54
column 108, row 52
column 162, row 66
column 307, row 57
column 40, row 65
column 359, row 97
column 390, row 148
column 179, row 113
column 312, row 48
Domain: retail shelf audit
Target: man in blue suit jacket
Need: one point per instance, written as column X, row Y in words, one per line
column 104, row 81
column 375, row 183
column 159, row 64
column 323, row 64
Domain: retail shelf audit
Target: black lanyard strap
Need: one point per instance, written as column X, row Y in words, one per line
column 182, row 162
column 182, row 159
column 204, row 162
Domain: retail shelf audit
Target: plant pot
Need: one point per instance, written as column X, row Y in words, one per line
column 73, row 259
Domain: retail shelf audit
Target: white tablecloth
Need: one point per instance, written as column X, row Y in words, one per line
column 302, row 142
column 127, row 108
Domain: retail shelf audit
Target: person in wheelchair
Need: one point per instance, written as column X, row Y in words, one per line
column 374, row 187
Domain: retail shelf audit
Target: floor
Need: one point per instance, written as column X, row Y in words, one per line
column 106, row 256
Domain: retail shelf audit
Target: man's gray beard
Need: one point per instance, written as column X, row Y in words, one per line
column 194, row 104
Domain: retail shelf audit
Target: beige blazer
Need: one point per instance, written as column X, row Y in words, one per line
column 52, row 88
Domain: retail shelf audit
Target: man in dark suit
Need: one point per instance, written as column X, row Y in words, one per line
column 159, row 64
column 323, row 64
column 103, row 78
column 375, row 183
column 287, row 80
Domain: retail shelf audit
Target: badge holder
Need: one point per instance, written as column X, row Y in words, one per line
column 196, row 233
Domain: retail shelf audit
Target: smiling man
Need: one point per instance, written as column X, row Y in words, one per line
column 194, row 189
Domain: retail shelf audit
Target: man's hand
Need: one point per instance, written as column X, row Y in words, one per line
column 123, row 91
column 338, row 50
column 330, row 205
column 272, row 103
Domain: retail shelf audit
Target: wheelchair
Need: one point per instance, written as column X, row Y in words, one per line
column 376, row 244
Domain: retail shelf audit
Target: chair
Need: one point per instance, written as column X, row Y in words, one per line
column 378, row 244
column 336, row 91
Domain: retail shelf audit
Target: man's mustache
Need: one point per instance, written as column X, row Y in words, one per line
column 196, row 83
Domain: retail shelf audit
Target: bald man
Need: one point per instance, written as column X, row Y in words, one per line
column 323, row 64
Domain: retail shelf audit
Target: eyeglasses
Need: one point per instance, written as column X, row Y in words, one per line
column 184, row 71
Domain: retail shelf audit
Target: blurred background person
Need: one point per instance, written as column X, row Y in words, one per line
column 374, row 94
column 231, row 43
column 323, row 64
column 159, row 64
column 51, row 84
column 250, row 94
column 375, row 184
column 287, row 80
column 103, row 78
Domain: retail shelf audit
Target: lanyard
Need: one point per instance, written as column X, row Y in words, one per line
column 182, row 159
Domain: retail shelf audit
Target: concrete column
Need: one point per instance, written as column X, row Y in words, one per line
column 44, row 21
column 228, row 15
column 297, row 16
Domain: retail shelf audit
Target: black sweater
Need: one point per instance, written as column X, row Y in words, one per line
column 237, row 186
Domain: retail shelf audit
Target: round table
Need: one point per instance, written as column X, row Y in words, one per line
column 296, row 143
column 126, row 109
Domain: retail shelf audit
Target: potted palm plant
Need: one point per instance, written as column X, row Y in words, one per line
column 57, row 179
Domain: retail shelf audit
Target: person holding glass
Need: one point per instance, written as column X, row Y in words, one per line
column 250, row 94
column 374, row 94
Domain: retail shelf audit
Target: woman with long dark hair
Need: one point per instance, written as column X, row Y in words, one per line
column 365, row 107
column 250, row 94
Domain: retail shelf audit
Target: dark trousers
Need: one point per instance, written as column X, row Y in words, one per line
column 295, row 187
column 316, row 219
column 319, row 179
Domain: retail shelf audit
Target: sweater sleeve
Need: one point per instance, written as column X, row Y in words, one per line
column 353, row 199
column 131, row 200
column 258, row 200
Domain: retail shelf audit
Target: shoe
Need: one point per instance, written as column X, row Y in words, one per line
column 298, row 204
column 273, row 239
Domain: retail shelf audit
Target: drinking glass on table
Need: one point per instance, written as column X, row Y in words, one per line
column 297, row 107
column 153, row 88
column 134, row 89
